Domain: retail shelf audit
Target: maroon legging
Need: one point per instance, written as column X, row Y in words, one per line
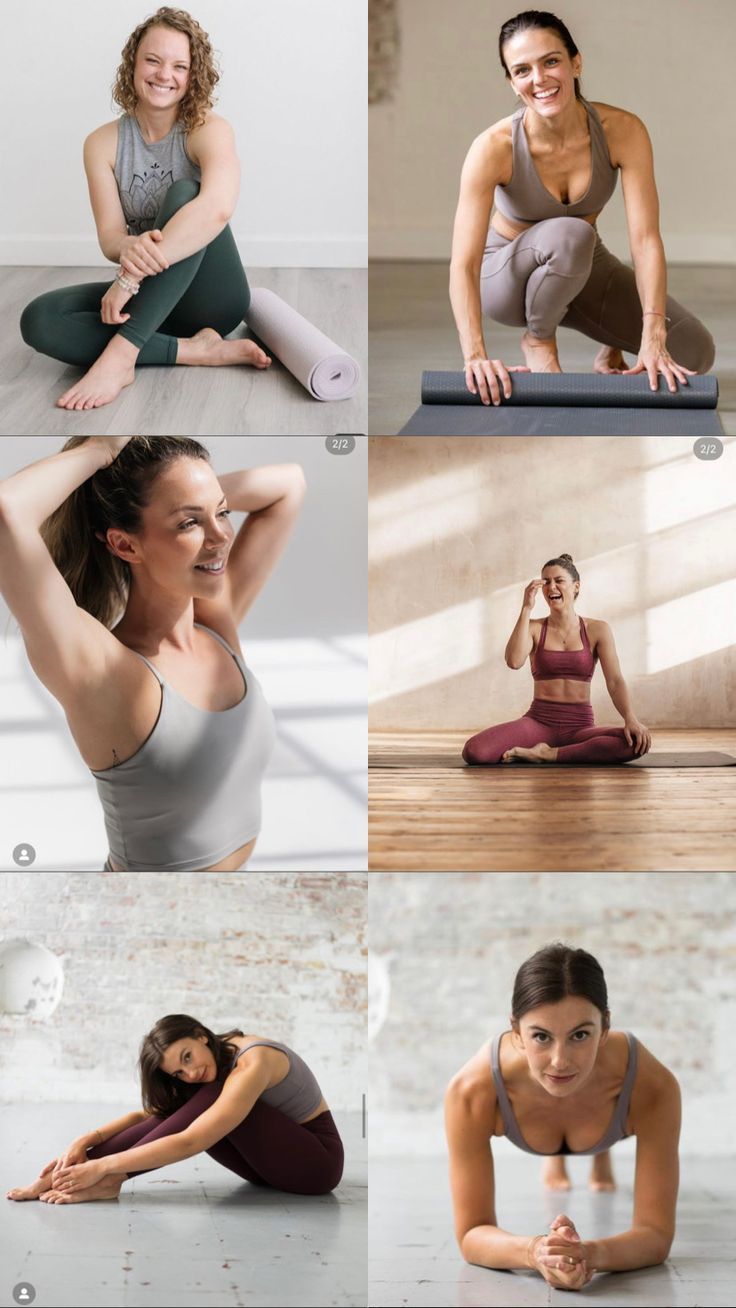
column 266, row 1148
column 567, row 726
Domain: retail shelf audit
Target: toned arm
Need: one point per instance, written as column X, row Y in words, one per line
column 212, row 147
column 482, row 171
column 99, row 155
column 239, row 1093
column 606, row 650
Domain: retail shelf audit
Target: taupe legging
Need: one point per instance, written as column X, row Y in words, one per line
column 559, row 273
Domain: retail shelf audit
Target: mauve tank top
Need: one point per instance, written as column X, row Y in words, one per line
column 615, row 1131
column 144, row 172
column 575, row 664
column 298, row 1094
column 191, row 795
column 526, row 200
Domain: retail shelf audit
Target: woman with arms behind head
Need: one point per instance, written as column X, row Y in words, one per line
column 119, row 562
column 249, row 1102
column 163, row 181
column 561, row 1082
column 539, row 263
column 563, row 651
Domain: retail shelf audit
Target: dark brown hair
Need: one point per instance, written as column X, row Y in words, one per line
column 555, row 972
column 203, row 74
column 115, row 496
column 532, row 18
column 564, row 561
column 162, row 1094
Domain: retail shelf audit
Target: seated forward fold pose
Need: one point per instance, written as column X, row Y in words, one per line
column 260, row 1113
column 118, row 560
column 163, row 181
column 550, row 168
column 558, row 727
column 562, row 1082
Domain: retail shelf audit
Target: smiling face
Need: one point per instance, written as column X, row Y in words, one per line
column 541, row 70
column 162, row 64
column 561, row 1041
column 186, row 531
column 190, row 1060
column 559, row 589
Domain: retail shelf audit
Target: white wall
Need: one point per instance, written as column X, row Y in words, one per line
column 293, row 85
column 669, row 61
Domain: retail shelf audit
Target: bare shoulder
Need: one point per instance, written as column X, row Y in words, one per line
column 219, row 615
column 214, row 131
column 621, row 127
column 470, row 1098
column 491, row 152
column 103, row 141
column 655, row 1088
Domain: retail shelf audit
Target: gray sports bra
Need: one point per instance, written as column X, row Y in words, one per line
column 526, row 200
column 192, row 793
column 616, row 1128
column 298, row 1094
column 144, row 172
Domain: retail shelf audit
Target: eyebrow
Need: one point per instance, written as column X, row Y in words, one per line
column 523, row 62
column 197, row 508
column 575, row 1028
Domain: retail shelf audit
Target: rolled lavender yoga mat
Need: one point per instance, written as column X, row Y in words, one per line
column 316, row 361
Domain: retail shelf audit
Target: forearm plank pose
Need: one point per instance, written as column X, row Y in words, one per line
column 261, row 1114
column 539, row 263
column 121, row 566
column 561, row 1082
column 163, row 181
column 564, row 649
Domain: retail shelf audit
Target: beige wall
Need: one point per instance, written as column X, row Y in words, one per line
column 669, row 61
column 459, row 525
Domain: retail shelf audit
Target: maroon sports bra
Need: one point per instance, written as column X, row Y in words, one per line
column 575, row 664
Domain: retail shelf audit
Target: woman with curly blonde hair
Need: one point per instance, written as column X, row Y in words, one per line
column 163, row 182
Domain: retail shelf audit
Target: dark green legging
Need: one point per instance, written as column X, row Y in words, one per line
column 207, row 289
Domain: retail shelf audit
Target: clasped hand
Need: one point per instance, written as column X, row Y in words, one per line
column 561, row 1257
column 80, row 1176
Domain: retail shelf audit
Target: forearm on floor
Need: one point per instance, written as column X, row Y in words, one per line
column 490, row 1246
column 32, row 494
column 465, row 301
column 639, row 1247
column 159, row 1153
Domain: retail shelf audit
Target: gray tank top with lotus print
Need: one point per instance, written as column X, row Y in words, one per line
column 144, row 172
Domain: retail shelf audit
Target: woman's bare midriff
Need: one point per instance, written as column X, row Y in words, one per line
column 559, row 690
column 110, row 731
column 279, row 1064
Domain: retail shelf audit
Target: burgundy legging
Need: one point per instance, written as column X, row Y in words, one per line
column 567, row 726
column 266, row 1148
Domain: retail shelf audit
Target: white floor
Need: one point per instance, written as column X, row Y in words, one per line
column 414, row 1259
column 189, row 1234
column 314, row 793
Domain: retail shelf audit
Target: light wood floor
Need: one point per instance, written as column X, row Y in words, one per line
column 411, row 328
column 429, row 812
column 188, row 401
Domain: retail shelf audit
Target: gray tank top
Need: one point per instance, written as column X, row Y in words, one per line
column 298, row 1094
column 616, row 1127
column 526, row 200
column 145, row 172
column 192, row 793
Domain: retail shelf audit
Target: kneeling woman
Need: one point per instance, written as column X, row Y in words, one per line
column 251, row 1103
column 163, row 181
column 564, row 649
column 561, row 1082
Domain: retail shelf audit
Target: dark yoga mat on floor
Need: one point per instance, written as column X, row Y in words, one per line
column 696, row 759
column 561, row 404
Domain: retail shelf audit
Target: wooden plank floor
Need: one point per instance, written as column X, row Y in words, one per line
column 411, row 328
column 428, row 811
column 188, row 401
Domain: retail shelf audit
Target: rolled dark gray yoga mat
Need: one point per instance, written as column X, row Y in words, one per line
column 562, row 404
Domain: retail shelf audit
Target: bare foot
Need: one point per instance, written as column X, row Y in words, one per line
column 601, row 1173
column 114, row 369
column 31, row 1191
column 107, row 1188
column 208, row 349
column 541, row 356
column 554, row 1175
column 538, row 754
column 609, row 360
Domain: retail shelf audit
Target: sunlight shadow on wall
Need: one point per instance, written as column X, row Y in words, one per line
column 689, row 627
column 688, row 488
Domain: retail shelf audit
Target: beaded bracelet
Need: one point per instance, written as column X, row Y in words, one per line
column 131, row 287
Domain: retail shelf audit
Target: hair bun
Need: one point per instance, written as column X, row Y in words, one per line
column 566, row 556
